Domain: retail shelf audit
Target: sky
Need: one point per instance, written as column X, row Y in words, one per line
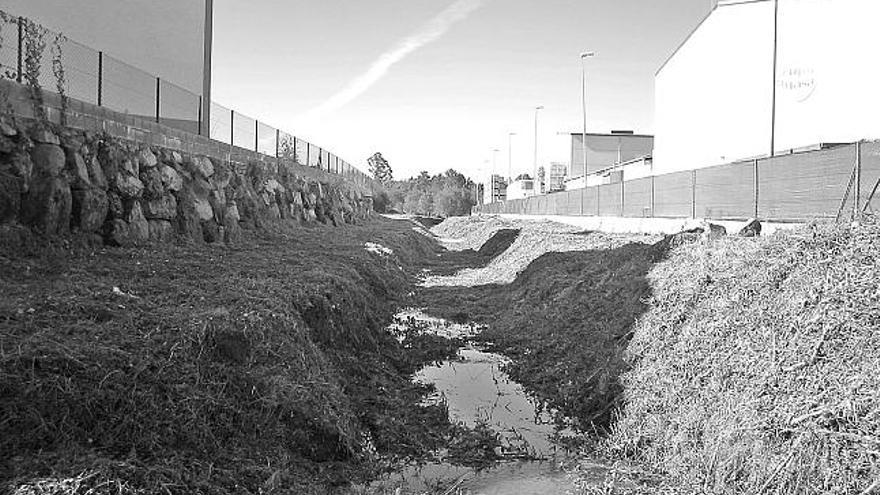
column 439, row 84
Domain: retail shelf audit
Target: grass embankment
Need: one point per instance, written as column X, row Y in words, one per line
column 565, row 318
column 757, row 368
column 262, row 367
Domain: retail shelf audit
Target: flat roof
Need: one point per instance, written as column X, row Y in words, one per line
column 595, row 134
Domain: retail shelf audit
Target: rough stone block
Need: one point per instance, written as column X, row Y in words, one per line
column 162, row 208
column 89, row 209
column 48, row 160
column 47, row 205
column 10, row 198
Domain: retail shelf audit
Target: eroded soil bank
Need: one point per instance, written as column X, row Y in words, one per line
column 262, row 367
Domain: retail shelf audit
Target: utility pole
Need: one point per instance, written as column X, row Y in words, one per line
column 584, row 57
column 775, row 63
column 494, row 162
column 535, row 177
column 510, row 157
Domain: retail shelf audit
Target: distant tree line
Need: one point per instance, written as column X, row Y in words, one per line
column 442, row 195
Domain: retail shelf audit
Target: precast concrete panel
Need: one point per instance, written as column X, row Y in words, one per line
column 673, row 195
column 870, row 177
column 726, row 192
column 637, row 197
column 804, row 186
column 611, row 200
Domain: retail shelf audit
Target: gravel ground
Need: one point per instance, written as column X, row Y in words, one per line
column 535, row 239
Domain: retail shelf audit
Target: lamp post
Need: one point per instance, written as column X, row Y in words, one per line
column 584, row 57
column 535, row 177
column 510, row 157
column 494, row 161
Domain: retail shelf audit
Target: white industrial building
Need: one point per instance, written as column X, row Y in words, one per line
column 762, row 77
column 522, row 187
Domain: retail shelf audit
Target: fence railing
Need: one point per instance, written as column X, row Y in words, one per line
column 837, row 183
column 33, row 55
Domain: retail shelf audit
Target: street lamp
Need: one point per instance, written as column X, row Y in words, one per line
column 510, row 157
column 584, row 57
column 535, row 177
column 492, row 179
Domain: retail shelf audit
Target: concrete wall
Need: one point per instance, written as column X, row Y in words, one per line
column 714, row 97
column 787, row 188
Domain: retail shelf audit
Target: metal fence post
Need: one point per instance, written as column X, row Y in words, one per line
column 100, row 79
column 622, row 198
column 158, row 98
column 200, row 115
column 693, row 194
column 277, row 143
column 308, row 154
column 757, row 188
column 858, row 197
column 256, row 135
column 232, row 128
column 21, row 22
column 652, row 197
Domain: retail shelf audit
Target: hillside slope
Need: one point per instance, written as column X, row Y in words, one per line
column 757, row 368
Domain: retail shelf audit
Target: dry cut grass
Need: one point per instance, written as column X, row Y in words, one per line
column 757, row 368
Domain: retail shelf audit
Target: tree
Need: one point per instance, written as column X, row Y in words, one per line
column 380, row 168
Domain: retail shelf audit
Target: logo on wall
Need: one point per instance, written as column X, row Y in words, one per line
column 798, row 83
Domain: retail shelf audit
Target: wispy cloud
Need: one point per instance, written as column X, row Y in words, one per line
column 428, row 33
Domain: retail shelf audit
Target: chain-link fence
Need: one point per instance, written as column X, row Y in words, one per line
column 33, row 55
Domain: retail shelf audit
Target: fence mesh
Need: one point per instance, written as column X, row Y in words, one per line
column 8, row 47
column 266, row 139
column 100, row 79
column 127, row 89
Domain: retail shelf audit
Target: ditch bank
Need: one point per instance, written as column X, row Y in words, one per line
column 261, row 367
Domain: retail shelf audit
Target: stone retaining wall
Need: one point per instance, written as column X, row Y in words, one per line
column 61, row 180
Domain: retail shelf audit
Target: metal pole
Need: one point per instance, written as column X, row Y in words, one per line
column 584, row 57
column 492, row 179
column 757, row 189
column 308, row 154
column 256, row 135
column 158, row 97
column 100, row 78
column 510, row 157
column 775, row 61
column 200, row 115
column 21, row 21
column 232, row 128
column 277, row 143
column 857, row 202
column 537, row 184
column 693, row 194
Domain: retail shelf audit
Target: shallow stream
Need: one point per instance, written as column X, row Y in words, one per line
column 477, row 391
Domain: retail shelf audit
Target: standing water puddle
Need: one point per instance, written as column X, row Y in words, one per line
column 478, row 392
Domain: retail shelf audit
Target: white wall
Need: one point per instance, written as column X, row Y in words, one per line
column 829, row 72
column 162, row 37
column 714, row 97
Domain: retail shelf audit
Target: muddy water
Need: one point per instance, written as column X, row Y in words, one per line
column 477, row 391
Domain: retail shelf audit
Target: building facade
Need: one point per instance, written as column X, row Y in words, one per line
column 606, row 150
column 521, row 188
column 765, row 77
